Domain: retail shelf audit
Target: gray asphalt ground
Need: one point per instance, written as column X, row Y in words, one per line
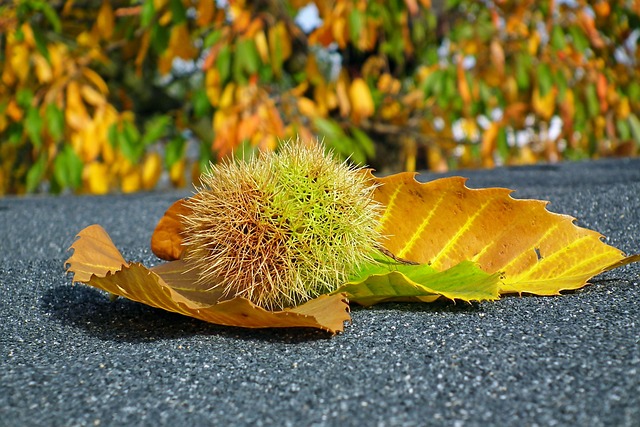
column 71, row 357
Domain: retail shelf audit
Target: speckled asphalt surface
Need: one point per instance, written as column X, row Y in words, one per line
column 70, row 357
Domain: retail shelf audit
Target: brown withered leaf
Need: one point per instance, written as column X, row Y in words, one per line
column 172, row 287
column 443, row 223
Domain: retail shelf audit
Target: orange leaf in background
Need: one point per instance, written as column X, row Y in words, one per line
column 463, row 85
column 98, row 263
column 443, row 223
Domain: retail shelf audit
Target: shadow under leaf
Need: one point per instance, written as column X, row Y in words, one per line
column 123, row 320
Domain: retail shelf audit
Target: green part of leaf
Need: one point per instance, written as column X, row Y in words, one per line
column 385, row 279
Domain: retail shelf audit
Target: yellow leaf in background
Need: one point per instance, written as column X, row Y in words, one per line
column 159, row 4
column 262, row 46
column 361, row 100
column 390, row 111
column 623, row 109
column 342, row 93
column 340, row 32
column 92, row 96
column 228, row 95
column 463, row 84
column 279, row 41
column 488, row 144
column 90, row 143
column 97, row 81
column 497, row 56
column 177, row 173
column 20, row 61
column 75, row 111
column 151, row 170
column 96, row 178
column 58, row 56
column 145, row 42
column 105, row 20
column 44, row 73
column 165, row 18
column 130, row 182
column 544, row 106
column 180, row 42
column 534, row 43
column 212, row 85
column 307, row 107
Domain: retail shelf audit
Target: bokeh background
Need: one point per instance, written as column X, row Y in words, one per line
column 131, row 95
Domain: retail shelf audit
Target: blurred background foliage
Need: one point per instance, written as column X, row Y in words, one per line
column 129, row 95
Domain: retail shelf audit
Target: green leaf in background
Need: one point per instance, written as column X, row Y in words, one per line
column 155, row 128
column 356, row 22
column 593, row 106
column 54, row 118
column 41, row 44
column 247, row 56
column 24, row 97
column 35, row 173
column 178, row 12
column 223, row 63
column 557, row 38
column 385, row 279
column 545, row 78
column 174, row 151
column 634, row 124
column 33, row 126
column 364, row 142
column 67, row 168
column 201, row 105
column 146, row 15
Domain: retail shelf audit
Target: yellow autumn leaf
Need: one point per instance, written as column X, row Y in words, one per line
column 443, row 223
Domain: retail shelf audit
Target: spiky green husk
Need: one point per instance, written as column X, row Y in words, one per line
column 281, row 228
